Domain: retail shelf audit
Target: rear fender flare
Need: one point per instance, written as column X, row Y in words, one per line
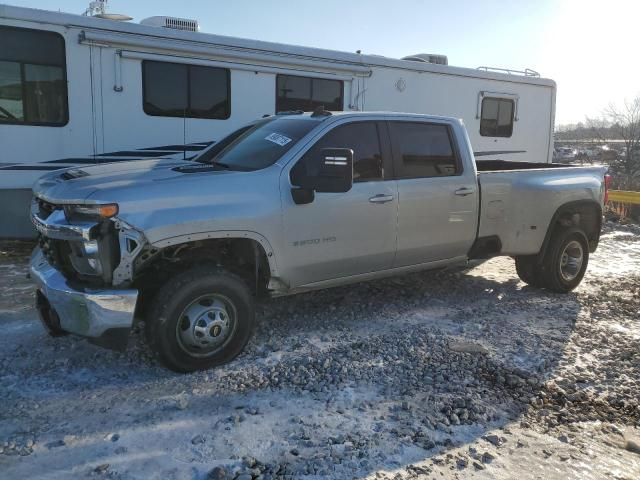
column 563, row 210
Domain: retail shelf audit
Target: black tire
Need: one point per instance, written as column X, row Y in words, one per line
column 529, row 270
column 552, row 277
column 184, row 291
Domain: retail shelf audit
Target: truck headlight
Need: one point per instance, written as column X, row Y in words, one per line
column 107, row 210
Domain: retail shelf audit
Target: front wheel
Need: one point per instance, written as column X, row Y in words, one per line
column 199, row 319
column 565, row 260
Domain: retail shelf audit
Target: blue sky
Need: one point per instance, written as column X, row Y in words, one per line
column 587, row 47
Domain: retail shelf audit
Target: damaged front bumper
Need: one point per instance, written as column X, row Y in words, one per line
column 103, row 316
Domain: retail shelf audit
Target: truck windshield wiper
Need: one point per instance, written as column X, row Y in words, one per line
column 235, row 168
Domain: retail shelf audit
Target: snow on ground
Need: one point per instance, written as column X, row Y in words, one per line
column 431, row 375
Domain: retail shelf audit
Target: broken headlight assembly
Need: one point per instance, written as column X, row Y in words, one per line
column 94, row 257
column 91, row 212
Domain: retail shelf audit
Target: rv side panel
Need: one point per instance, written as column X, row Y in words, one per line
column 25, row 143
column 450, row 95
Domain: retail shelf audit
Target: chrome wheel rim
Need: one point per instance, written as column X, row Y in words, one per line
column 206, row 325
column 571, row 260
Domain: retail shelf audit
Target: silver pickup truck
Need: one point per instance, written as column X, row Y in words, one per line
column 288, row 204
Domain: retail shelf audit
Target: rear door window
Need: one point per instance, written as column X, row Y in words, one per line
column 423, row 150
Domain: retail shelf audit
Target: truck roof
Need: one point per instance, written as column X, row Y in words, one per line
column 368, row 114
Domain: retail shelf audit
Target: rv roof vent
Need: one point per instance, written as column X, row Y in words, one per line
column 172, row 22
column 428, row 58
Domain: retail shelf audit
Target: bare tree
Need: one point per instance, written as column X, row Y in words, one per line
column 598, row 129
column 625, row 121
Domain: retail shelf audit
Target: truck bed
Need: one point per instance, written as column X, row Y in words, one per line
column 519, row 199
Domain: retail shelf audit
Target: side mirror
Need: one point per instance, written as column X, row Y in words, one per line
column 332, row 172
column 302, row 196
column 336, row 170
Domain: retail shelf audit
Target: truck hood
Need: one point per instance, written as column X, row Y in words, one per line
column 168, row 198
column 80, row 184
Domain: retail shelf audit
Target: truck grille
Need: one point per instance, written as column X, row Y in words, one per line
column 78, row 260
column 57, row 254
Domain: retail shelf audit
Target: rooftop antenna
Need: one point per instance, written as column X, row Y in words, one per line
column 98, row 9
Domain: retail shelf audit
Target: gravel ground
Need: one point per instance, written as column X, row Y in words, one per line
column 432, row 375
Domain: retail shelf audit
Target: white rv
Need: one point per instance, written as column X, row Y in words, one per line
column 77, row 90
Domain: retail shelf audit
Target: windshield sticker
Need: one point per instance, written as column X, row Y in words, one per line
column 278, row 139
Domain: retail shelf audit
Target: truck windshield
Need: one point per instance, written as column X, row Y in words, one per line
column 212, row 152
column 263, row 144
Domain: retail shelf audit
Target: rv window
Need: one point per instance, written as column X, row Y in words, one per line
column 33, row 85
column 180, row 90
column 423, row 150
column 496, row 117
column 307, row 94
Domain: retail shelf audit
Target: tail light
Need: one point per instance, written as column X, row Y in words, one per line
column 607, row 185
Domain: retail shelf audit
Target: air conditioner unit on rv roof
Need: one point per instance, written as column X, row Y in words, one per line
column 428, row 58
column 172, row 22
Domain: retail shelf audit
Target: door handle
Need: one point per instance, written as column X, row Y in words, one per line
column 464, row 191
column 381, row 198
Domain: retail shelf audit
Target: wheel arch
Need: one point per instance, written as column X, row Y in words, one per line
column 583, row 214
column 246, row 254
column 230, row 235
